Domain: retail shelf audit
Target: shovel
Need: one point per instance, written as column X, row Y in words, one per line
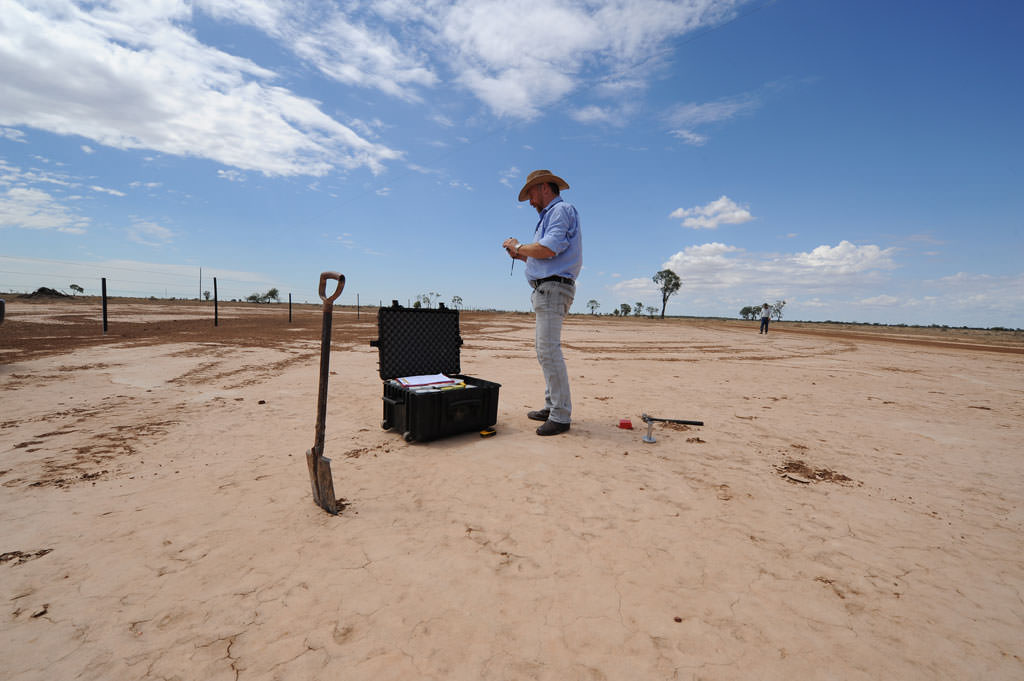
column 320, row 466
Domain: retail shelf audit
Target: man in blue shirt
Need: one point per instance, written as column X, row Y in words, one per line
column 553, row 261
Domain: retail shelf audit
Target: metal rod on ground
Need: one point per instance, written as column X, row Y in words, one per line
column 319, row 466
column 289, row 308
column 215, row 320
column 103, row 286
column 649, row 420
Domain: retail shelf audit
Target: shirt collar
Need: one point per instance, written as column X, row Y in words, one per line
column 555, row 200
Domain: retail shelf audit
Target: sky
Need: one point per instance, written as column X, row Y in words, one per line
column 861, row 161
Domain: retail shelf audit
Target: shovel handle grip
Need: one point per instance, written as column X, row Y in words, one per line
column 323, row 285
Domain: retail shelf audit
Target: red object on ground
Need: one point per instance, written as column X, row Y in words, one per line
column 626, row 423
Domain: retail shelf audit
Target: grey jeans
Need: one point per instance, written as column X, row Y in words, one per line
column 551, row 302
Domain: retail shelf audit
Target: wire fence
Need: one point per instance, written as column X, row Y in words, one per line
column 25, row 275
column 22, row 275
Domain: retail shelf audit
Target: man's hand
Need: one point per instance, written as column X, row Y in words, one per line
column 510, row 245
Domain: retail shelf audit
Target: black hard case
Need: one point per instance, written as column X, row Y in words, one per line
column 423, row 341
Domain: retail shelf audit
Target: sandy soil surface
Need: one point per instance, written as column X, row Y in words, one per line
column 853, row 507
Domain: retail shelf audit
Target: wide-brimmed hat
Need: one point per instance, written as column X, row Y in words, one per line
column 538, row 176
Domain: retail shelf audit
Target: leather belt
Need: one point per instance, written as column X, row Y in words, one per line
column 562, row 280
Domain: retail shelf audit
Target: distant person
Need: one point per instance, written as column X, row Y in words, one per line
column 553, row 261
column 766, row 314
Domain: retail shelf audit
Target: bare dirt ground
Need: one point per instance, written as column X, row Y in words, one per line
column 853, row 507
column 52, row 326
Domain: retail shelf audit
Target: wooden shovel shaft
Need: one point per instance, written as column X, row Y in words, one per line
column 325, row 373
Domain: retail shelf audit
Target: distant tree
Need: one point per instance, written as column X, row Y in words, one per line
column 416, row 304
column 206, row 294
column 593, row 305
column 651, row 311
column 625, row 309
column 669, row 283
column 638, row 308
column 272, row 294
column 777, row 309
column 76, row 288
column 751, row 312
column 457, row 302
column 616, row 312
column 427, row 299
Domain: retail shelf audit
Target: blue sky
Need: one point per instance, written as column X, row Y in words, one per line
column 860, row 160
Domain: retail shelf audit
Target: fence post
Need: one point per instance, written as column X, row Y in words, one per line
column 103, row 285
column 215, row 320
column 289, row 308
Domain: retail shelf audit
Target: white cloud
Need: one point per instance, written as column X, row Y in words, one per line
column 641, row 287
column 341, row 46
column 882, row 300
column 231, row 175
column 149, row 233
column 846, row 258
column 509, row 177
column 422, row 170
column 971, row 292
column 13, row 135
column 728, row 271
column 105, row 190
column 128, row 76
column 87, row 149
column 690, row 137
column 683, row 118
column 720, row 211
column 692, row 114
column 616, row 116
column 617, row 86
column 30, row 208
column 519, row 57
column 367, row 128
column 517, row 92
column 841, row 281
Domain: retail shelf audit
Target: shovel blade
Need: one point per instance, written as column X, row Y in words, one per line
column 311, row 458
column 325, row 481
column 322, row 482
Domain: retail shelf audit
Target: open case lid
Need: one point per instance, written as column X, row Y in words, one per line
column 417, row 341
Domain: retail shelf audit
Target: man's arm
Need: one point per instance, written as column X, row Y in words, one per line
column 521, row 251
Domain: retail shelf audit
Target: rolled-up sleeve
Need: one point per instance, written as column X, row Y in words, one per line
column 560, row 225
